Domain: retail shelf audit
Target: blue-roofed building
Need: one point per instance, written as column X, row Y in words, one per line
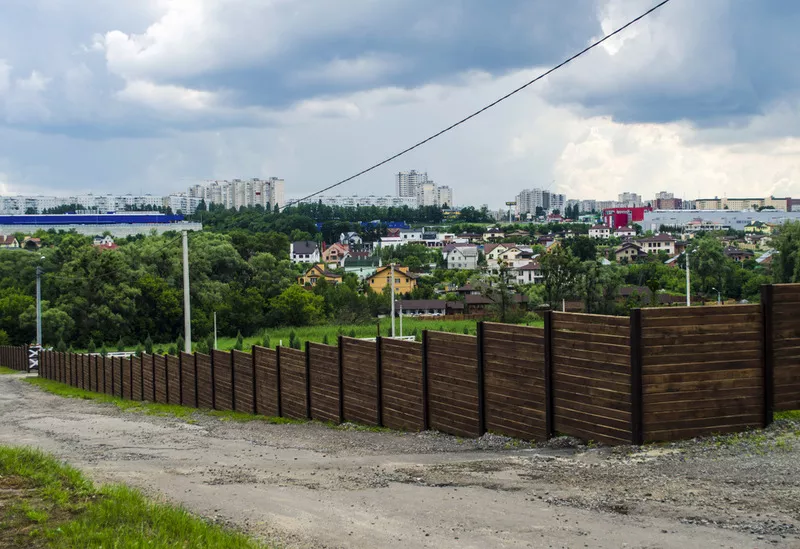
column 117, row 224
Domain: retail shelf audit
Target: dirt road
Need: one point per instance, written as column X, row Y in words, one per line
column 313, row 486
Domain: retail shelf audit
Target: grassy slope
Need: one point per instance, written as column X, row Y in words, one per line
column 7, row 371
column 45, row 503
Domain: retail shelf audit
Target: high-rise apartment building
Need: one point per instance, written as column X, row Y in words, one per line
column 630, row 200
column 529, row 200
column 241, row 192
column 445, row 196
column 407, row 183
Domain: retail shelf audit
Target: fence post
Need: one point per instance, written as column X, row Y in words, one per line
column 233, row 382
column 341, row 379
column 425, row 410
column 481, row 392
column 278, row 380
column 549, row 407
column 308, row 379
column 112, row 377
column 166, row 377
column 253, row 377
column 637, row 427
column 141, row 375
column 767, row 336
column 379, row 380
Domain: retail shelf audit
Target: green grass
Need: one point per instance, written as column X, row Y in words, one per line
column 6, row 371
column 317, row 334
column 791, row 415
column 54, row 505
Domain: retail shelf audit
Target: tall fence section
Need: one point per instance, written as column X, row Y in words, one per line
column 661, row 374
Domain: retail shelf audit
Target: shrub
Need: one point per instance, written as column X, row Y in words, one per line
column 173, row 350
column 325, row 339
column 61, row 347
column 148, row 345
column 180, row 344
column 120, row 345
column 91, row 346
column 266, row 342
column 352, row 333
column 103, row 351
column 239, row 345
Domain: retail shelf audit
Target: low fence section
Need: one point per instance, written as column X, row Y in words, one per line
column 402, row 384
column 323, row 369
column 451, row 364
column 782, row 325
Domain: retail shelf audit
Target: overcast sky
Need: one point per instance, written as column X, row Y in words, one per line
column 154, row 95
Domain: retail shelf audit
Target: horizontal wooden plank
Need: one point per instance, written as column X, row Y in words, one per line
column 649, row 389
column 657, row 339
column 578, row 377
column 729, row 345
column 679, row 417
column 611, row 362
column 707, row 375
column 623, row 332
column 612, row 417
column 591, row 320
column 701, row 363
column 678, row 397
column 454, row 403
column 724, row 330
column 690, row 314
column 700, row 403
column 604, row 400
column 754, row 419
column 587, row 430
column 785, row 290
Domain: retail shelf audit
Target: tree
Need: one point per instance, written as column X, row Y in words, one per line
column 91, row 346
column 5, row 339
column 297, row 307
column 560, row 271
column 786, row 264
column 103, row 351
column 61, row 347
column 583, row 248
column 499, row 291
column 181, row 343
column 148, row 345
column 266, row 342
column 239, row 345
column 120, row 345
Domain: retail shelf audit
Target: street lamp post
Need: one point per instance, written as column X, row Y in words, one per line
column 719, row 296
column 688, row 283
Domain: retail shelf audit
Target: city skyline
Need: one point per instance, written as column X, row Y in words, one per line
column 152, row 98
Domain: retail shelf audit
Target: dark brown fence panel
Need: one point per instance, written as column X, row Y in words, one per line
column 160, row 378
column 266, row 381
column 205, row 392
column 94, row 373
column 136, row 372
column 173, row 380
column 702, row 371
column 293, row 383
column 108, row 376
column 785, row 346
column 402, row 384
column 324, row 371
column 117, row 366
column 243, row 381
column 591, row 361
column 223, row 378
column 187, row 379
column 82, row 371
column 147, row 378
column 514, row 380
column 125, row 369
column 359, row 374
column 453, row 383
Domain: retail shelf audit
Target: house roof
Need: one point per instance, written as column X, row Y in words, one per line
column 304, row 247
column 766, row 257
column 467, row 251
column 663, row 237
column 730, row 251
column 597, row 227
column 421, row 303
column 628, row 245
column 475, row 299
column 493, row 230
column 7, row 240
column 320, row 269
column 532, row 266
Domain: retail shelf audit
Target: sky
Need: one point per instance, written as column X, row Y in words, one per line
column 700, row 98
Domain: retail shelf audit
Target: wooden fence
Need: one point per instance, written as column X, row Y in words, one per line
column 661, row 374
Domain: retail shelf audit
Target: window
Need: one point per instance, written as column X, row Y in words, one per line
column 397, row 280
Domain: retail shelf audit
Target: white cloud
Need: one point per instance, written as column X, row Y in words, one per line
column 5, row 76
column 166, row 97
column 35, row 83
column 370, row 67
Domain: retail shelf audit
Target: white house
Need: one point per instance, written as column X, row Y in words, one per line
column 600, row 231
column 8, row 241
column 410, row 235
column 304, row 251
column 350, row 239
column 623, row 232
column 658, row 243
column 463, row 257
column 529, row 274
column 106, row 240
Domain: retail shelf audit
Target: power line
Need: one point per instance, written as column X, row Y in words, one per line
column 480, row 111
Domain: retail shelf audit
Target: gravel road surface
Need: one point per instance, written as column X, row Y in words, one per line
column 313, row 486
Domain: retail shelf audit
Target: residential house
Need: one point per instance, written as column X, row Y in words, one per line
column 100, row 240
column 767, row 257
column 754, row 241
column 316, row 273
column 628, row 251
column 476, row 304
column 468, row 289
column 529, row 274
column 470, row 237
column 335, row 254
column 404, row 281
column 493, row 233
column 680, row 246
column 410, row 235
column 658, row 243
column 625, row 232
column 759, row 227
column 350, row 239
column 8, row 241
column 413, row 307
column 600, row 231
column 30, row 243
column 738, row 255
column 463, row 257
column 304, row 251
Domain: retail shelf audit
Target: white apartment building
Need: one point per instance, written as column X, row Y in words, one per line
column 12, row 205
column 407, row 183
column 241, row 192
column 370, row 200
column 530, row 199
column 630, row 200
column 444, row 196
column 182, row 203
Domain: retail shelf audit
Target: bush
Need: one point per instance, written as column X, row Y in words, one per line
column 103, row 351
column 296, row 344
column 466, row 330
column 138, row 351
column 292, row 338
column 266, row 342
column 160, row 351
column 148, row 345
column 201, row 347
column 120, row 345
column 209, row 344
column 91, row 348
column 5, row 339
column 173, row 350
column 352, row 333
column 239, row 345
column 61, row 347
column 325, row 339
column 180, row 344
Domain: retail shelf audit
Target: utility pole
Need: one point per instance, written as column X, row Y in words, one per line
column 401, row 318
column 187, row 312
column 391, row 267
column 38, row 306
column 215, row 330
